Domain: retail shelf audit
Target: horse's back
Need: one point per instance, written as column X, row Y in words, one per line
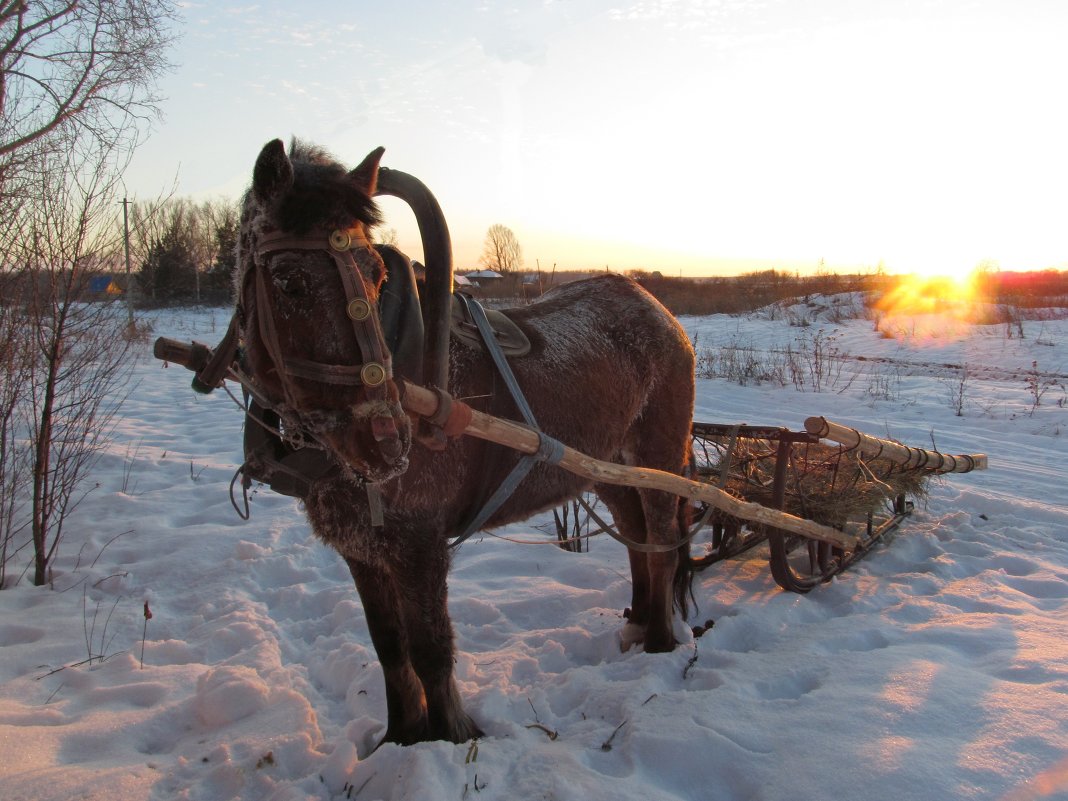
column 604, row 317
column 606, row 357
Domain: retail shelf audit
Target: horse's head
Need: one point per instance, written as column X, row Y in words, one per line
column 308, row 283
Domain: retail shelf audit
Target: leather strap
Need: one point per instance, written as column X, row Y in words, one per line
column 339, row 245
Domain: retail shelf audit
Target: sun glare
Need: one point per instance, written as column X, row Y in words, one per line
column 929, row 305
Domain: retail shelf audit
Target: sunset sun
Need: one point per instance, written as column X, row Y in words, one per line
column 944, row 299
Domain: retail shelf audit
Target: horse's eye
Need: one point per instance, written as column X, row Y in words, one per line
column 292, row 283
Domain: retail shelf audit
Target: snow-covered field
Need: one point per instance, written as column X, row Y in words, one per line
column 935, row 669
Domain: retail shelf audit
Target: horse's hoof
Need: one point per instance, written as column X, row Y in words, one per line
column 462, row 731
column 659, row 640
column 632, row 634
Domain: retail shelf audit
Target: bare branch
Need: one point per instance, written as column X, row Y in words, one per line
column 84, row 64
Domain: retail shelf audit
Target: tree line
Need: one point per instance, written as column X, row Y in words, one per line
column 183, row 251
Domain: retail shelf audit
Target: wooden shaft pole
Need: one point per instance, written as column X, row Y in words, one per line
column 424, row 402
column 903, row 455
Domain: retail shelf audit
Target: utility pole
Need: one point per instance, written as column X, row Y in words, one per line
column 129, row 283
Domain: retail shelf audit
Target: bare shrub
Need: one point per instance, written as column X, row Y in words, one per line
column 741, row 363
column 812, row 363
column 816, row 363
column 82, row 357
column 77, row 85
column 1037, row 387
column 883, row 385
column 957, row 392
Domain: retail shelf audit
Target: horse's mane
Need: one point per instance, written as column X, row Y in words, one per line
column 322, row 195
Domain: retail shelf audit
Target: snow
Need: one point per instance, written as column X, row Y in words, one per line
column 937, row 668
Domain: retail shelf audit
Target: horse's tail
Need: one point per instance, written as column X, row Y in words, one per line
column 683, row 582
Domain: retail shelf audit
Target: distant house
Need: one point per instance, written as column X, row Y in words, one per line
column 462, row 280
column 482, row 276
column 104, row 285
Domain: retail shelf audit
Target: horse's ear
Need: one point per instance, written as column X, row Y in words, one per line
column 273, row 173
column 365, row 175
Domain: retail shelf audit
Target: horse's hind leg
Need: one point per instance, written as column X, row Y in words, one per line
column 652, row 574
column 432, row 650
column 660, row 439
column 626, row 509
column 406, row 707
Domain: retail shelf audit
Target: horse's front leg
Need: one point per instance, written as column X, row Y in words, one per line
column 432, row 648
column 406, row 707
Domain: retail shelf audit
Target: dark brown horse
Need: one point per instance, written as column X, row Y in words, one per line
column 610, row 373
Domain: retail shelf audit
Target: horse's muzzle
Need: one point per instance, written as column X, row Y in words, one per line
column 372, row 440
column 390, row 445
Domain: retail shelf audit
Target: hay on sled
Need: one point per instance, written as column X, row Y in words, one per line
column 828, row 484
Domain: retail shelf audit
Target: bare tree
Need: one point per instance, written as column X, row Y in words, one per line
column 15, row 359
column 82, row 350
column 501, row 251
column 170, row 242
column 386, row 236
column 148, row 220
column 87, row 64
column 77, row 89
column 205, row 223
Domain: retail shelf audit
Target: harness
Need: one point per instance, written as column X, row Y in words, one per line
column 550, row 450
column 290, row 468
column 277, row 446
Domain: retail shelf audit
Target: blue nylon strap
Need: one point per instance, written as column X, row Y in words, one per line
column 500, row 495
column 550, row 450
column 505, row 369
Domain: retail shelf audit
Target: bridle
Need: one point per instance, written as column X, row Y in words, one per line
column 374, row 374
column 340, row 245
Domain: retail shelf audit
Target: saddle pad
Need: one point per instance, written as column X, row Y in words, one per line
column 512, row 340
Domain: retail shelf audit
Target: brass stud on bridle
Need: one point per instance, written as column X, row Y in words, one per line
column 340, row 240
column 358, row 309
column 372, row 374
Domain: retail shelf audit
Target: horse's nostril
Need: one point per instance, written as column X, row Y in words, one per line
column 384, row 428
column 391, row 449
column 388, row 438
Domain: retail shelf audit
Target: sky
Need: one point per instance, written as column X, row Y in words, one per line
column 693, row 137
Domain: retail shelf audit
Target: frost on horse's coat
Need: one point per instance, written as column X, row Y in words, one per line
column 610, row 373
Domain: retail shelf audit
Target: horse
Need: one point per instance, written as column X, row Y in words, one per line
column 610, row 372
